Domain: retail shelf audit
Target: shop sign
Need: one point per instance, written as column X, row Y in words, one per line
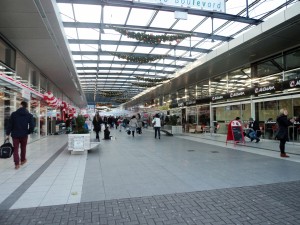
column 237, row 94
column 203, row 100
column 209, row 5
column 181, row 104
column 189, row 103
column 269, row 88
column 294, row 83
column 217, row 97
column 25, row 94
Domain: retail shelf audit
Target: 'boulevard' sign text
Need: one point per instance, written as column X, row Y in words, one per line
column 210, row 5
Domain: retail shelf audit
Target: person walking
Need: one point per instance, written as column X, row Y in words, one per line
column 20, row 124
column 157, row 124
column 133, row 124
column 282, row 135
column 140, row 124
column 97, row 123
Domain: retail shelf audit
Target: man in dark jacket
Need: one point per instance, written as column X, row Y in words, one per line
column 19, row 126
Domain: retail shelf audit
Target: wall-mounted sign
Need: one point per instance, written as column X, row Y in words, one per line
column 265, row 89
column 209, row 5
column 26, row 94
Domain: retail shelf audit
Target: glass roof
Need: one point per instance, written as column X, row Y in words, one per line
column 109, row 60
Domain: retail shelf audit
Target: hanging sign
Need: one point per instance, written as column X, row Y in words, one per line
column 209, row 5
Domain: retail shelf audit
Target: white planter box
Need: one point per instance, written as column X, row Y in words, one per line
column 79, row 142
column 177, row 129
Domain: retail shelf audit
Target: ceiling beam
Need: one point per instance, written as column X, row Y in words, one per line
column 127, row 63
column 161, row 7
column 116, row 74
column 126, row 53
column 142, row 44
column 124, row 69
column 146, row 29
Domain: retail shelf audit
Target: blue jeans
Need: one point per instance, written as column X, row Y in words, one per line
column 157, row 130
column 252, row 134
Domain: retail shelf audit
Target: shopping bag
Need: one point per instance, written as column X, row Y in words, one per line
column 6, row 150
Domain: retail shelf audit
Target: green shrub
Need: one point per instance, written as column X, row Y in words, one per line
column 79, row 129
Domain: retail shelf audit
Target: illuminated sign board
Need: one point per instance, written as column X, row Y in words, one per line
column 209, row 5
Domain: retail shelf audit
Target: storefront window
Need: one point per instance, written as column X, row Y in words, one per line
column 191, row 115
column 225, row 113
column 34, row 110
column 22, row 73
column 43, row 120
column 7, row 55
column 203, row 115
column 191, row 93
column 202, row 89
column 181, row 95
column 293, row 60
column 238, row 80
column 218, row 85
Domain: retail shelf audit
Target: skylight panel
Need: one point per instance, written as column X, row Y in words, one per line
column 177, row 53
column 118, row 65
column 208, row 44
column 128, row 49
column 87, row 33
column 163, row 20
column 89, row 57
column 132, row 66
column 145, row 67
column 264, row 7
column 116, row 15
column 188, row 24
column 71, row 33
column 234, row 7
column 87, row 13
column 111, row 36
column 145, row 50
column 140, row 17
column 205, row 27
column 231, row 29
column 106, row 57
column 104, row 65
column 74, row 47
column 66, row 12
column 109, row 48
column 160, row 51
column 88, row 47
column 125, row 38
column 89, row 64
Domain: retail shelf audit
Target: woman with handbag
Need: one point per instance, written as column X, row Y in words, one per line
column 97, row 123
column 282, row 134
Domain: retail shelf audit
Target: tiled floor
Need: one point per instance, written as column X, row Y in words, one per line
column 139, row 167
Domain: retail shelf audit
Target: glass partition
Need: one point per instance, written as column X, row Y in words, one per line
column 225, row 113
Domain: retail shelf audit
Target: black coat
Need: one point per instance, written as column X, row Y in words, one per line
column 97, row 124
column 20, row 123
column 283, row 123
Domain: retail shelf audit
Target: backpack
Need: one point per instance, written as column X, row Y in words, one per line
column 6, row 150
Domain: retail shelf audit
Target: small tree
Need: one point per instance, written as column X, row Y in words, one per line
column 80, row 129
column 172, row 120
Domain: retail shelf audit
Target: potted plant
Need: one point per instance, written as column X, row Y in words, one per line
column 172, row 125
column 79, row 140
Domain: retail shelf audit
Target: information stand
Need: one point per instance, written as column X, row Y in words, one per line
column 235, row 132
